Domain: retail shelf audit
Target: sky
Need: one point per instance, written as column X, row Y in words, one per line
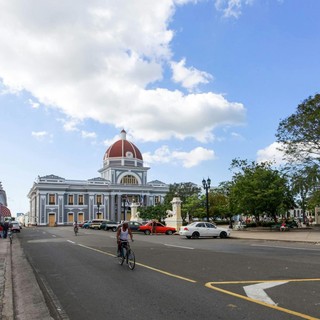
column 195, row 84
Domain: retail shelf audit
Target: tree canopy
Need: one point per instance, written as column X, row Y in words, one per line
column 258, row 189
column 299, row 134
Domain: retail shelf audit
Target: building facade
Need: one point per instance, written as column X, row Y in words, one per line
column 123, row 179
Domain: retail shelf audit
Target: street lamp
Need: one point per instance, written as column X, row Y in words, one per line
column 124, row 198
column 206, row 186
column 98, row 213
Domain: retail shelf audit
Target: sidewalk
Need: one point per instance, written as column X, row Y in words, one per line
column 22, row 299
column 20, row 294
column 311, row 235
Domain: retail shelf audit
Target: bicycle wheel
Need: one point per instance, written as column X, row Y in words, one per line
column 131, row 260
column 122, row 256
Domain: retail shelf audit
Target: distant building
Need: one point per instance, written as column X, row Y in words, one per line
column 4, row 210
column 123, row 179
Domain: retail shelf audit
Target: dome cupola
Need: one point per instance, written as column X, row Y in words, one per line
column 123, row 149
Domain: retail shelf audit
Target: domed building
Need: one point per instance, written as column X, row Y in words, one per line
column 123, row 180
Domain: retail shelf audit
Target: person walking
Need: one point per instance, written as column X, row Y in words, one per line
column 5, row 229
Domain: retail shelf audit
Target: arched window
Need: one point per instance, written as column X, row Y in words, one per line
column 129, row 180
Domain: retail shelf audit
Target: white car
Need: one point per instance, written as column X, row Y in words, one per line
column 15, row 227
column 199, row 229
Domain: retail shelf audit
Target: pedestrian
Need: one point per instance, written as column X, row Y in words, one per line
column 5, row 229
column 154, row 227
column 1, row 230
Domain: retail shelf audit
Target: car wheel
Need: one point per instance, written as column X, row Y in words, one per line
column 147, row 232
column 114, row 229
column 188, row 237
column 223, row 235
column 196, row 235
column 169, row 232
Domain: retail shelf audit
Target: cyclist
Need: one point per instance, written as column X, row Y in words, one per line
column 75, row 227
column 123, row 234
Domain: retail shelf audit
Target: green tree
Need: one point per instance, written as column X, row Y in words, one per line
column 157, row 212
column 192, row 207
column 183, row 189
column 304, row 183
column 299, row 134
column 258, row 189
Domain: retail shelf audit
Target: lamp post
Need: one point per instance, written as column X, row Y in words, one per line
column 124, row 207
column 206, row 186
column 98, row 213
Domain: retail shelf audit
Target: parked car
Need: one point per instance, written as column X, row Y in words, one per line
column 109, row 225
column 199, row 229
column 86, row 225
column 160, row 228
column 15, row 227
column 80, row 224
column 95, row 223
column 135, row 225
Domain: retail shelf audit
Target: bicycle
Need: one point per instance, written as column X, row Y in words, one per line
column 76, row 230
column 127, row 254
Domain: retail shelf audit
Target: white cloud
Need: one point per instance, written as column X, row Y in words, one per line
column 189, row 78
column 34, row 105
column 96, row 60
column 91, row 135
column 186, row 159
column 271, row 153
column 41, row 135
column 231, row 8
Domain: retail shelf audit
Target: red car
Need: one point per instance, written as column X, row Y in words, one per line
column 160, row 228
column 80, row 224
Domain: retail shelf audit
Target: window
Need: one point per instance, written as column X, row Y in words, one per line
column 70, row 199
column 52, row 199
column 156, row 199
column 80, row 199
column 99, row 198
column 129, row 180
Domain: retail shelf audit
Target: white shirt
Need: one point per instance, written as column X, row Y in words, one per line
column 124, row 234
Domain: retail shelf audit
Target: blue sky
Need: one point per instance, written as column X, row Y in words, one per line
column 194, row 83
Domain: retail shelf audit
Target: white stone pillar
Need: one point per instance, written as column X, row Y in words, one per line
column 175, row 221
column 134, row 210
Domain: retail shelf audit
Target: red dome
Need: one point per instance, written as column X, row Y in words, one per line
column 123, row 149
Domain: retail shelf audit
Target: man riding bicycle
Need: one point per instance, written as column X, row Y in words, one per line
column 123, row 234
column 75, row 227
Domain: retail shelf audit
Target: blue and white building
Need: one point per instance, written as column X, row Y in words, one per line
column 123, row 179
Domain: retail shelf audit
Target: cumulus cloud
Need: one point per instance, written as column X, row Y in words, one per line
column 41, row 135
column 186, row 159
column 33, row 104
column 231, row 8
column 86, row 134
column 189, row 78
column 271, row 153
column 97, row 60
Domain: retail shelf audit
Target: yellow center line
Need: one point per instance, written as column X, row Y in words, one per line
column 211, row 286
column 298, row 314
column 265, row 281
column 143, row 265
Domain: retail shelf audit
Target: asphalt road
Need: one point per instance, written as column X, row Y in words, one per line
column 174, row 277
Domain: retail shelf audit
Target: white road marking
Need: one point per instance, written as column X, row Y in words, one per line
column 171, row 245
column 257, row 292
column 71, row 241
